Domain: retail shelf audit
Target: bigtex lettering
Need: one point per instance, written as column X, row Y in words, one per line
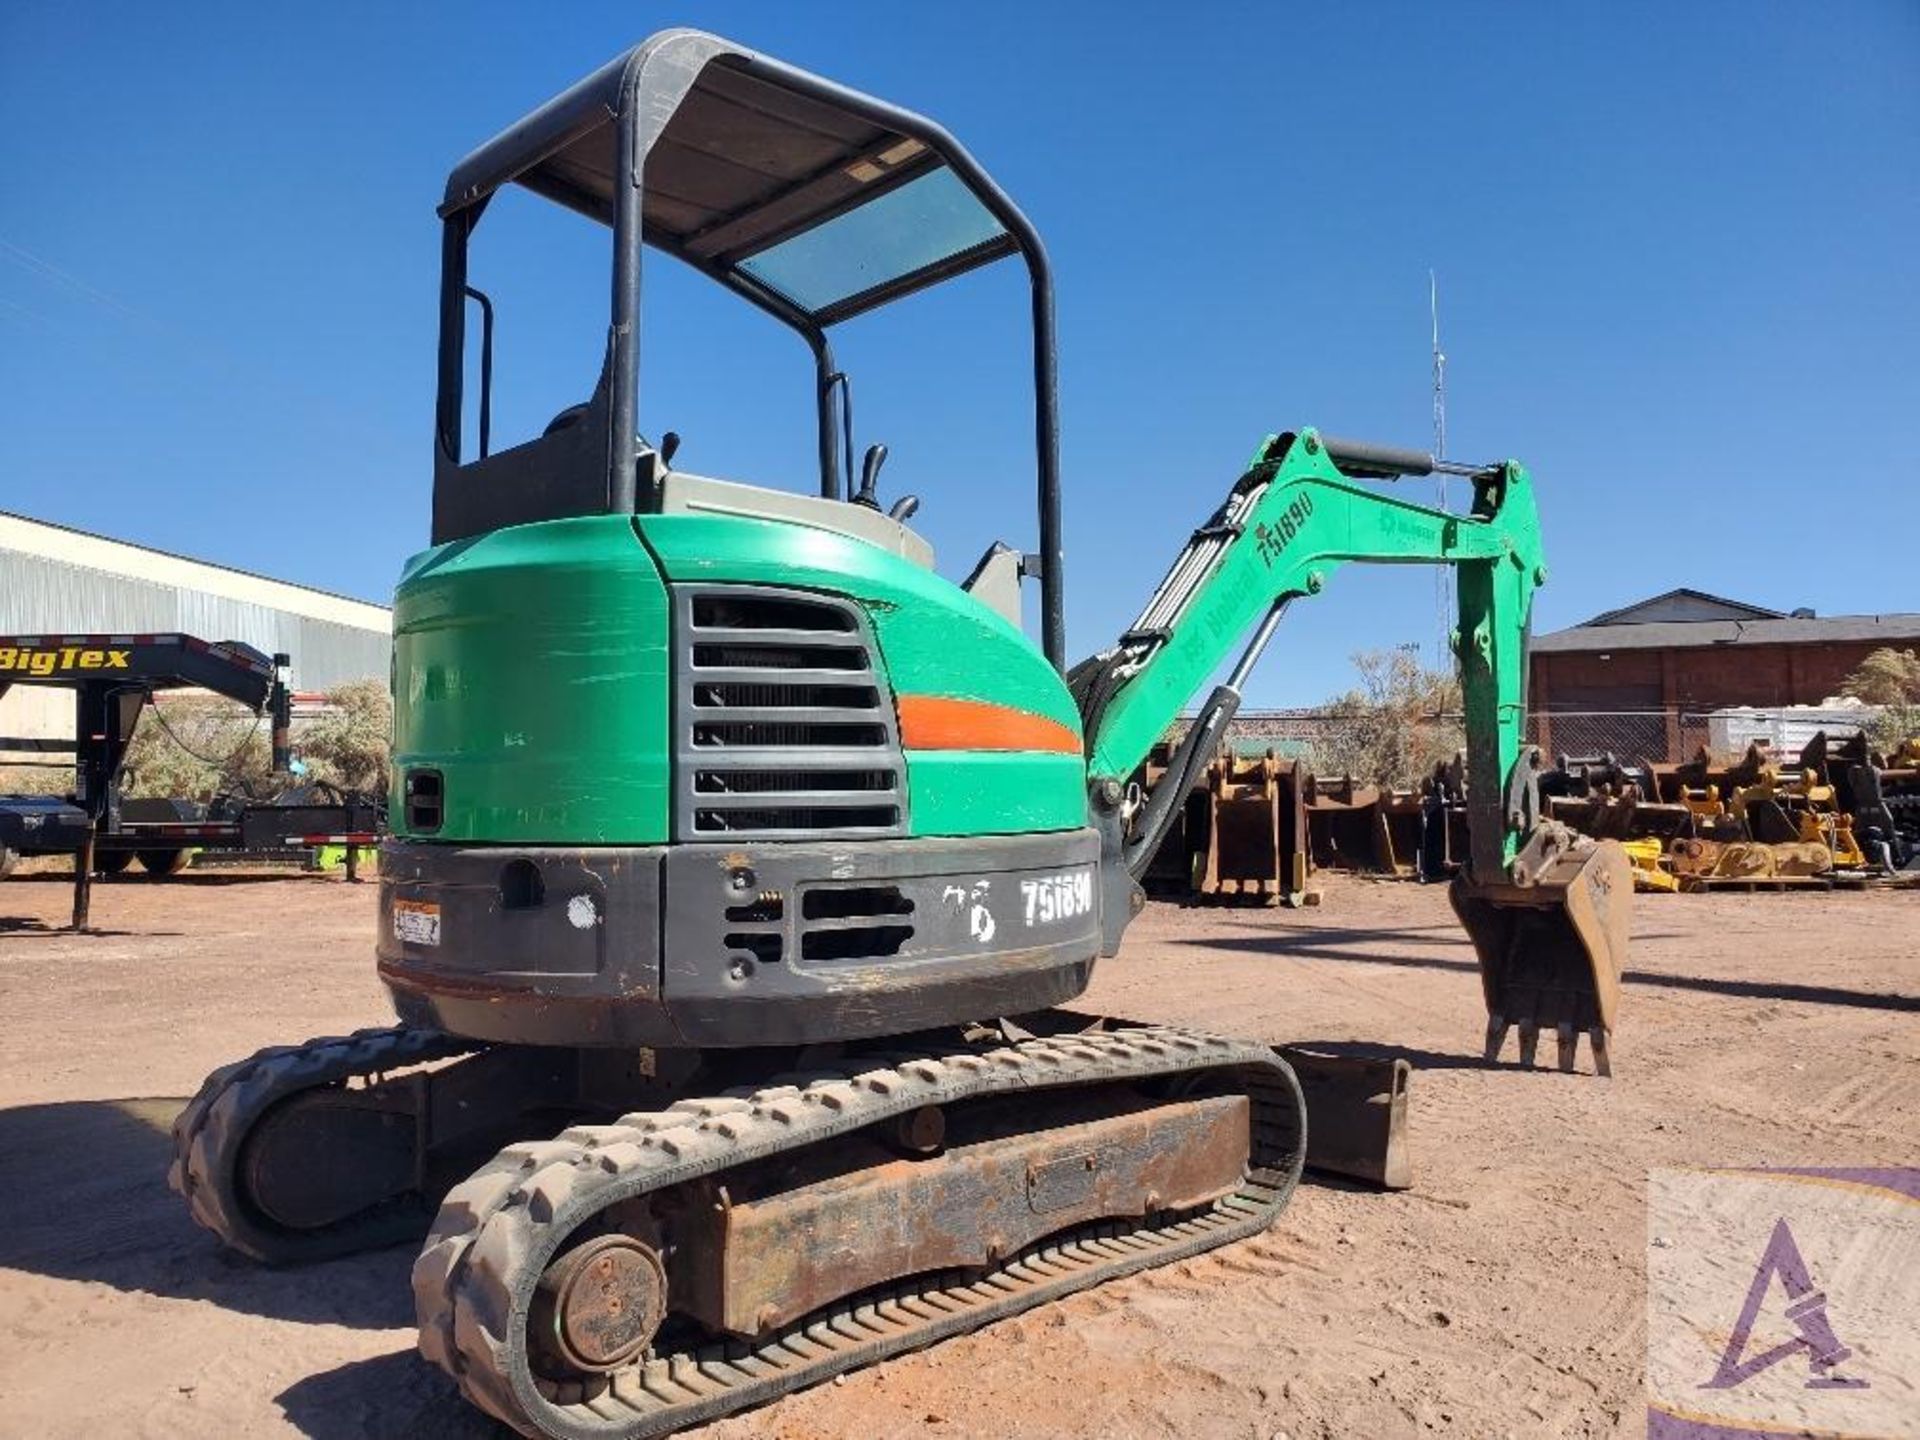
column 21, row 661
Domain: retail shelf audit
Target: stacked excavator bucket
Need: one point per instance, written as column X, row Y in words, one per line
column 1239, row 836
column 1354, row 826
column 1253, row 829
column 1256, row 846
column 1821, row 816
column 1176, row 868
column 1347, row 825
column 1600, row 796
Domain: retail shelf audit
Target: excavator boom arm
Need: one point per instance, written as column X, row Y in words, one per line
column 1291, row 520
column 1546, row 909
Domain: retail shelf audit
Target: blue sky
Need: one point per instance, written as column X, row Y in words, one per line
column 1676, row 247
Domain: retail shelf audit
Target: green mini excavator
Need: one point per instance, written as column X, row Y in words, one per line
column 741, row 862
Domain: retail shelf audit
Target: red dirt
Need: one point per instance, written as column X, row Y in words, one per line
column 1502, row 1295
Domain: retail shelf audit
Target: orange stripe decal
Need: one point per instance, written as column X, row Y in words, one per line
column 935, row 722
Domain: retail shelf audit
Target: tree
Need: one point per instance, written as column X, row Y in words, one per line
column 1890, row 679
column 1396, row 725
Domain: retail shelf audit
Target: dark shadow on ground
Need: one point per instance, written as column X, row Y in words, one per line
column 87, row 1199
column 190, row 879
column 1337, row 945
column 1333, row 944
column 1327, row 1180
column 1308, row 932
column 19, row 929
column 389, row 1395
column 1780, row 990
column 1383, row 1050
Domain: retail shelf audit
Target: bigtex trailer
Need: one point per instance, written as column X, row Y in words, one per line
column 113, row 679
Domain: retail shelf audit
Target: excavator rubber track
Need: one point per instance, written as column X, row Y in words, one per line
column 476, row 1281
column 210, row 1138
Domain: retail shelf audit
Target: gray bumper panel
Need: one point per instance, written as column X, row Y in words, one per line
column 734, row 945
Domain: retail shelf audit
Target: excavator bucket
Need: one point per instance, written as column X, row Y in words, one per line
column 1552, row 944
column 1257, row 848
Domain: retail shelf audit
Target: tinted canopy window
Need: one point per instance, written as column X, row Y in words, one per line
column 822, row 201
column 921, row 225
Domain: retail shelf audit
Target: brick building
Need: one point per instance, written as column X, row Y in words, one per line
column 1653, row 670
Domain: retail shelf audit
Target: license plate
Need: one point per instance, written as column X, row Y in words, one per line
column 417, row 922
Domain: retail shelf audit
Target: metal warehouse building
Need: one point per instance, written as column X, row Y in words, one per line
column 58, row 581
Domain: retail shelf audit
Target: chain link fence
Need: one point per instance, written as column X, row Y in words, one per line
column 1670, row 736
column 1402, row 750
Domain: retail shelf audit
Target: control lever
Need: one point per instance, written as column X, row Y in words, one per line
column 904, row 508
column 870, row 476
column 669, row 447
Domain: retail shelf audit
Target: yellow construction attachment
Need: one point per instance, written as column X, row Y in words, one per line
column 1835, row 831
column 1703, row 802
column 1552, row 941
column 1645, row 855
column 1701, row 863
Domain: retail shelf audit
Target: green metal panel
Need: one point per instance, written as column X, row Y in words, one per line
column 530, row 668
column 935, row 640
column 972, row 792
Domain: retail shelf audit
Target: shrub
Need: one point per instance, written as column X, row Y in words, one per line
column 1395, row 726
column 351, row 745
column 36, row 780
column 197, row 747
column 1890, row 679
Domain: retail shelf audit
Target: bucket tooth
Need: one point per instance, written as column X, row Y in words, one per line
column 1602, row 1060
column 1496, row 1037
column 1529, row 1042
column 1569, row 1044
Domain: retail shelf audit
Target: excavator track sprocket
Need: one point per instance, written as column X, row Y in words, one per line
column 485, row 1281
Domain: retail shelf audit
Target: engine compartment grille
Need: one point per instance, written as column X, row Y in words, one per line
column 783, row 727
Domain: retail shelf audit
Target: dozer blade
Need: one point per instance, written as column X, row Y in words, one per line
column 1552, row 944
column 1356, row 1114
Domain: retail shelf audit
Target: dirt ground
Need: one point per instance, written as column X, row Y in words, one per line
column 1503, row 1295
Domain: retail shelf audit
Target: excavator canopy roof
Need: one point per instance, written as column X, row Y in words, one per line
column 767, row 177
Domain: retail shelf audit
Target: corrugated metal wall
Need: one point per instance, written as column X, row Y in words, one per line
column 44, row 596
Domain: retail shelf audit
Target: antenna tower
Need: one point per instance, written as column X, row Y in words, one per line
column 1442, row 574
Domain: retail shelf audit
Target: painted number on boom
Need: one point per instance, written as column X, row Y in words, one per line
column 1053, row 898
column 1273, row 539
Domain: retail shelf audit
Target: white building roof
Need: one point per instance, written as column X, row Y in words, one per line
column 118, row 557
